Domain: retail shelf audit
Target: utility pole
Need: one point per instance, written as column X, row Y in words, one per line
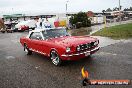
column 120, row 11
column 66, row 13
column 66, row 7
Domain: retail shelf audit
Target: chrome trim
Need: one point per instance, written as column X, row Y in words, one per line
column 87, row 45
column 77, row 54
column 37, row 51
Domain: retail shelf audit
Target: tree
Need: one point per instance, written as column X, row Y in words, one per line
column 103, row 11
column 115, row 9
column 125, row 9
column 130, row 8
column 108, row 10
column 80, row 20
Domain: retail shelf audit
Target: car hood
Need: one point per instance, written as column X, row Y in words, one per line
column 72, row 40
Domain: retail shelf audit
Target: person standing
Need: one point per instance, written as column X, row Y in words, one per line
column 2, row 26
column 46, row 24
column 39, row 24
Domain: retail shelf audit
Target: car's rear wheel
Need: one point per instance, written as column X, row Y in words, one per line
column 27, row 51
column 55, row 58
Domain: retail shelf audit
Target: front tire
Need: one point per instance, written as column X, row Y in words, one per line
column 55, row 58
column 27, row 51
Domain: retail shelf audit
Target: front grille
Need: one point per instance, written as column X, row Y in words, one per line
column 92, row 44
column 86, row 46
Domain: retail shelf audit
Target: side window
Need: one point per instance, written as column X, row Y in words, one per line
column 36, row 36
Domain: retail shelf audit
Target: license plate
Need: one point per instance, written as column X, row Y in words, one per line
column 87, row 54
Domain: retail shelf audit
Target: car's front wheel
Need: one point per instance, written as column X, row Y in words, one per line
column 27, row 51
column 55, row 58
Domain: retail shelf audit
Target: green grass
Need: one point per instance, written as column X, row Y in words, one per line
column 123, row 31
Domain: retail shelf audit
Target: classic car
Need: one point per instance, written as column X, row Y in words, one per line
column 23, row 28
column 57, row 44
column 26, row 25
column 10, row 28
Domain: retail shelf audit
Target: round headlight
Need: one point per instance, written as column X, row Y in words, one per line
column 68, row 49
column 78, row 48
column 95, row 43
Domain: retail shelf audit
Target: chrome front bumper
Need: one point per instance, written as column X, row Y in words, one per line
column 77, row 54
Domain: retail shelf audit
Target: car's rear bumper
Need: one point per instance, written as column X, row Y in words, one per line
column 80, row 55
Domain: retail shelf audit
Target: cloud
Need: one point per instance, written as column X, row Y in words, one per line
column 24, row 6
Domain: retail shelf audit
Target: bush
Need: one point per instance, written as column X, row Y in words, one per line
column 80, row 20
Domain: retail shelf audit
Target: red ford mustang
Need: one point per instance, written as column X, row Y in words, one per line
column 57, row 44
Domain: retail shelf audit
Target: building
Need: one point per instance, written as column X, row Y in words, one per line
column 24, row 17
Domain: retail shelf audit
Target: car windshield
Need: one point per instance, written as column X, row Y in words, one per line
column 53, row 33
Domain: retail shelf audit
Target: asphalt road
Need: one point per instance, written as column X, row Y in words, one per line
column 18, row 70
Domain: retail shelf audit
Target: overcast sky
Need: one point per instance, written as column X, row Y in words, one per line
column 42, row 6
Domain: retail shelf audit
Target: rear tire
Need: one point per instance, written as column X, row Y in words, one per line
column 26, row 49
column 55, row 58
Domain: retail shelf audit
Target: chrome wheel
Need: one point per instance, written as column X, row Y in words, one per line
column 55, row 58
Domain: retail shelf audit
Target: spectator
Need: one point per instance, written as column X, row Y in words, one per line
column 39, row 24
column 2, row 26
column 46, row 24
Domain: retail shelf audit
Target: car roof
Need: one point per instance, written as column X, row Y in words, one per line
column 43, row 29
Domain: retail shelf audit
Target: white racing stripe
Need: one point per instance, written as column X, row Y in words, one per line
column 37, row 51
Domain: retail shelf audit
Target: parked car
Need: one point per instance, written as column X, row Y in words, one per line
column 26, row 25
column 9, row 30
column 10, row 26
column 57, row 44
column 23, row 28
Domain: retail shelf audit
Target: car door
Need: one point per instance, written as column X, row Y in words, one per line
column 45, row 47
column 36, row 41
column 47, row 44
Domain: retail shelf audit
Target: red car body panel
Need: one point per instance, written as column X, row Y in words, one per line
column 60, row 44
column 24, row 28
